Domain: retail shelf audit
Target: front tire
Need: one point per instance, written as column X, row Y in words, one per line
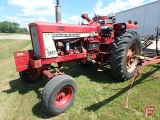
column 59, row 94
column 122, row 62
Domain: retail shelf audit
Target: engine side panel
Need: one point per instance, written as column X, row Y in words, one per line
column 49, row 46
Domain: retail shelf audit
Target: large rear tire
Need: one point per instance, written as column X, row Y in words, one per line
column 59, row 94
column 122, row 62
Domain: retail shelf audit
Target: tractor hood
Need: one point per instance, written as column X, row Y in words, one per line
column 45, row 27
column 44, row 35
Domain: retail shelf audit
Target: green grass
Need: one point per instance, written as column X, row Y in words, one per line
column 99, row 97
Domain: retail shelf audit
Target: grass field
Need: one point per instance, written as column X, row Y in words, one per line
column 99, row 96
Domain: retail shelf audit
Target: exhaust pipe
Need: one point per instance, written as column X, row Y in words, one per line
column 58, row 12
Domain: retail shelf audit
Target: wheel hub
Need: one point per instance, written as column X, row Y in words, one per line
column 64, row 96
column 60, row 96
column 130, row 62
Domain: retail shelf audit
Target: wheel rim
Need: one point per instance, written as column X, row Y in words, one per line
column 131, row 61
column 64, row 96
column 33, row 73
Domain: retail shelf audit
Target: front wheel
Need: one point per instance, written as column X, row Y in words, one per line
column 59, row 94
column 122, row 60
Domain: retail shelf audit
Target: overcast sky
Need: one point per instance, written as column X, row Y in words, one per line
column 27, row 11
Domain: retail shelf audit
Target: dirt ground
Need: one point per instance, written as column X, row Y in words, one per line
column 16, row 37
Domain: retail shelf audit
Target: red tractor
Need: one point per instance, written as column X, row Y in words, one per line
column 101, row 40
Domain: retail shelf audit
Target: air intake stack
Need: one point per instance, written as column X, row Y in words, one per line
column 58, row 12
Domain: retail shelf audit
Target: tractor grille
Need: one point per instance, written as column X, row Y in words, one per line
column 35, row 40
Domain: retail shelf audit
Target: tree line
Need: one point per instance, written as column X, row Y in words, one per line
column 12, row 27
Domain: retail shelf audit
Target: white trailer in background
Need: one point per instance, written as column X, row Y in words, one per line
column 147, row 16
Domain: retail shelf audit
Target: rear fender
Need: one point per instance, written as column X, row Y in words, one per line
column 125, row 26
column 131, row 26
column 120, row 28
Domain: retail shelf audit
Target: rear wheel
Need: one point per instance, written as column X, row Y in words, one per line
column 122, row 61
column 30, row 75
column 59, row 94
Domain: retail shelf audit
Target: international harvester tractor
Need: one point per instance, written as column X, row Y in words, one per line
column 101, row 40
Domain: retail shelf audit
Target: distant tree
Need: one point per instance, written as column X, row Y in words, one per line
column 16, row 27
column 5, row 26
column 23, row 30
column 11, row 27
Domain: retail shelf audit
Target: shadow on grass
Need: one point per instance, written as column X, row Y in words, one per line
column 22, row 88
column 74, row 71
column 91, row 73
column 71, row 69
column 100, row 104
column 39, row 112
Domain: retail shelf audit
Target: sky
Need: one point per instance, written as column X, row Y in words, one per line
column 27, row 11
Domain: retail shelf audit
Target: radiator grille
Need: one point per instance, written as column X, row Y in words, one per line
column 35, row 40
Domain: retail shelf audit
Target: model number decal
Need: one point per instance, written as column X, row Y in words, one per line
column 49, row 53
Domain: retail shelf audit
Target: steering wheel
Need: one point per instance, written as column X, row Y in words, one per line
column 96, row 16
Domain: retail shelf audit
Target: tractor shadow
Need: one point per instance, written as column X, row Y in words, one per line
column 72, row 69
column 75, row 70
column 39, row 112
column 17, row 85
column 138, row 81
column 22, row 88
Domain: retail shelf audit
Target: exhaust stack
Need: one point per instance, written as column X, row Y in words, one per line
column 58, row 12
